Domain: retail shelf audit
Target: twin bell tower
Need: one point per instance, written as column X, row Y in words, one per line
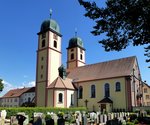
column 49, row 59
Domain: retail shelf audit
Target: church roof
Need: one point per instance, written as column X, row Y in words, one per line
column 75, row 42
column 106, row 100
column 50, row 24
column 103, row 70
column 60, row 83
column 18, row 92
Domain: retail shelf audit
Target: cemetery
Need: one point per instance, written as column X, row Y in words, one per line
column 71, row 117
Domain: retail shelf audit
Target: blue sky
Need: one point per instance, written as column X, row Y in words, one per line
column 20, row 22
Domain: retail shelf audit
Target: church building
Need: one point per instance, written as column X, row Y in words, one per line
column 106, row 86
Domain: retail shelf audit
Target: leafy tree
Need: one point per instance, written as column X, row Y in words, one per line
column 147, row 53
column 1, row 85
column 123, row 22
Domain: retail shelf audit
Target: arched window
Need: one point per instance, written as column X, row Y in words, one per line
column 92, row 91
column 60, row 98
column 80, row 92
column 81, row 57
column 118, row 86
column 72, row 56
column 55, row 44
column 107, row 93
column 43, row 43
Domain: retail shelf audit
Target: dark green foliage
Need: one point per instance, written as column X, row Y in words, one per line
column 28, row 104
column 1, row 85
column 124, row 22
column 30, row 110
column 48, row 117
column 130, row 123
column 147, row 53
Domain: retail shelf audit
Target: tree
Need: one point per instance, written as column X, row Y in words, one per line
column 124, row 22
column 147, row 53
column 1, row 85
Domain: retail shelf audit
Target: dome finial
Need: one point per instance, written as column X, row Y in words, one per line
column 75, row 32
column 50, row 13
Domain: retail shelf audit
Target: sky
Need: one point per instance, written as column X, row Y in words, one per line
column 20, row 21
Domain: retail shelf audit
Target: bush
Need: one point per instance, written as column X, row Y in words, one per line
column 130, row 123
column 30, row 110
column 47, row 117
column 136, row 121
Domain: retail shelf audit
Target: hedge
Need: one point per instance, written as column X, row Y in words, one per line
column 30, row 110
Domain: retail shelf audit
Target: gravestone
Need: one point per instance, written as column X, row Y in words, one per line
column 101, row 119
column 61, row 121
column 109, row 116
column 79, row 115
column 50, row 122
column 93, row 117
column 49, row 119
column 98, row 117
column 3, row 116
column 55, row 117
column 39, row 118
column 105, row 118
column 13, row 120
column 20, row 119
column 84, row 119
column 112, row 115
column 26, row 121
column 38, row 121
column 77, row 119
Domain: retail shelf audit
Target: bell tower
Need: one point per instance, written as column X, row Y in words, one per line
column 48, row 58
column 75, row 53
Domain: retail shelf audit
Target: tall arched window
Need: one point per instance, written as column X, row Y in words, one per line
column 43, row 43
column 93, row 91
column 60, row 98
column 118, row 86
column 81, row 57
column 72, row 56
column 80, row 92
column 55, row 44
column 107, row 93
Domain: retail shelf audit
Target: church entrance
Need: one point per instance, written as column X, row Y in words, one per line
column 103, row 107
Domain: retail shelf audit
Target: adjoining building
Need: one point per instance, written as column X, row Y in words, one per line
column 18, row 97
column 106, row 86
column 146, row 94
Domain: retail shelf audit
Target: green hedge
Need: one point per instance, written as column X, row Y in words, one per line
column 30, row 110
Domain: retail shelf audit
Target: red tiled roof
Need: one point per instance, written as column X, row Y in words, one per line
column 61, row 83
column 109, row 69
column 16, row 92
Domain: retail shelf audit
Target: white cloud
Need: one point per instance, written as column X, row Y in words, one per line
column 8, row 86
column 28, row 84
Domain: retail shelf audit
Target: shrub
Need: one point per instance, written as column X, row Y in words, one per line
column 130, row 123
column 136, row 121
column 48, row 117
column 30, row 110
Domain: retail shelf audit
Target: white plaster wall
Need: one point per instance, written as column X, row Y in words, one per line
column 69, row 93
column 58, row 104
